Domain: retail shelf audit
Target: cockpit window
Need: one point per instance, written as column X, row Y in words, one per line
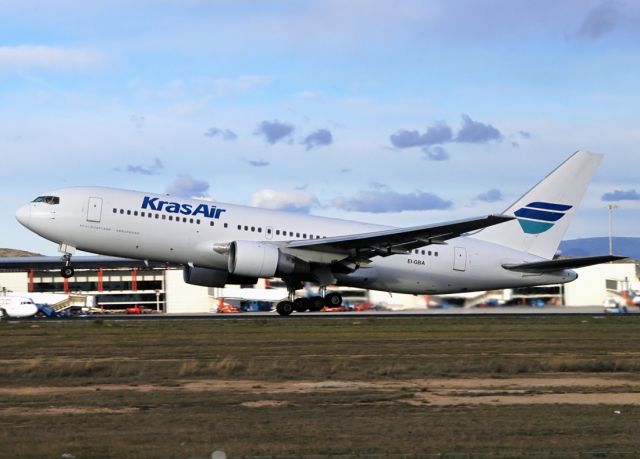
column 48, row 199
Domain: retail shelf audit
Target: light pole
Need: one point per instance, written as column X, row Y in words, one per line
column 611, row 207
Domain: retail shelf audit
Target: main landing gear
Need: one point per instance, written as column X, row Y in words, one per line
column 313, row 304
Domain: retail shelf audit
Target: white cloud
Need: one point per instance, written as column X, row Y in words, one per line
column 185, row 186
column 242, row 83
column 31, row 57
column 292, row 201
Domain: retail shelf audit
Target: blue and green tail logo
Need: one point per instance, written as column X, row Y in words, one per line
column 538, row 217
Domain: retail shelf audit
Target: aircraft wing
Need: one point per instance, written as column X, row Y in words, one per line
column 560, row 264
column 396, row 240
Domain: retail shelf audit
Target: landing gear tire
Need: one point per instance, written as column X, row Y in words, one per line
column 333, row 300
column 316, row 303
column 284, row 308
column 300, row 304
column 67, row 272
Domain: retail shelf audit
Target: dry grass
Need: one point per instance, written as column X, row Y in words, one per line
column 318, row 386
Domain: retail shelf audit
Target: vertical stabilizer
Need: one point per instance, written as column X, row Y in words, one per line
column 543, row 214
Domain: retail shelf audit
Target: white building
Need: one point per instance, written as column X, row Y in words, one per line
column 596, row 283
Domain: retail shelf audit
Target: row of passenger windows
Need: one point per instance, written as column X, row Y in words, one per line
column 278, row 232
column 425, row 252
column 177, row 218
column 253, row 229
column 157, row 216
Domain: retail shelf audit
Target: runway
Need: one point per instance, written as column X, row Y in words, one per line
column 590, row 311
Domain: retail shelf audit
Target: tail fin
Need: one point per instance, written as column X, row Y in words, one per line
column 543, row 214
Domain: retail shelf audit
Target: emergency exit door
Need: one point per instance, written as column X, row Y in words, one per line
column 460, row 259
column 94, row 210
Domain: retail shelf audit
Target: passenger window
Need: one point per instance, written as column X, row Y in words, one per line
column 164, row 217
column 128, row 212
column 122, row 211
column 253, row 229
column 259, row 230
column 190, row 220
column 210, row 223
column 115, row 211
column 142, row 214
column 157, row 216
column 135, row 213
column 225, row 225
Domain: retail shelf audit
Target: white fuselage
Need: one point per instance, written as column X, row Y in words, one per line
column 184, row 231
column 17, row 306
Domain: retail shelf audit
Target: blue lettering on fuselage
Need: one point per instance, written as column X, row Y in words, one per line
column 157, row 204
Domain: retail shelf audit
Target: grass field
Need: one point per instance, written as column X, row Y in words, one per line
column 477, row 387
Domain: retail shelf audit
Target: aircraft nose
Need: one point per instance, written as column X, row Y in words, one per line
column 23, row 215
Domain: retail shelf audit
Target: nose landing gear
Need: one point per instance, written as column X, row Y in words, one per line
column 67, row 270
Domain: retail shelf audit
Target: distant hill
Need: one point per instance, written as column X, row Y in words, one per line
column 16, row 253
column 627, row 246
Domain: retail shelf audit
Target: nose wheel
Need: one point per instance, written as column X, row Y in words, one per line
column 67, row 272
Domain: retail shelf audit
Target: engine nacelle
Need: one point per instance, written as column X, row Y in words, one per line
column 261, row 259
column 209, row 277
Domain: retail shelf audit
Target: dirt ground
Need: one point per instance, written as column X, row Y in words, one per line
column 486, row 387
column 615, row 389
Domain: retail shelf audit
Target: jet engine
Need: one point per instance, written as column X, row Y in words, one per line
column 260, row 259
column 209, row 277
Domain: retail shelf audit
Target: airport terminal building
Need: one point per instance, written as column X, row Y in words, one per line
column 161, row 288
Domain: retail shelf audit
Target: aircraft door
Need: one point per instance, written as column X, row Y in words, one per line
column 269, row 233
column 94, row 210
column 459, row 259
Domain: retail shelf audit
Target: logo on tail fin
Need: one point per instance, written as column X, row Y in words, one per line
column 538, row 217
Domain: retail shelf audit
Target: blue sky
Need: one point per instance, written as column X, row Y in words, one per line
column 399, row 113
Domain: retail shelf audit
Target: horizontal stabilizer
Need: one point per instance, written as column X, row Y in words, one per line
column 560, row 264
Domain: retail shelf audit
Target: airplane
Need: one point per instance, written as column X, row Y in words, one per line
column 17, row 306
column 218, row 243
